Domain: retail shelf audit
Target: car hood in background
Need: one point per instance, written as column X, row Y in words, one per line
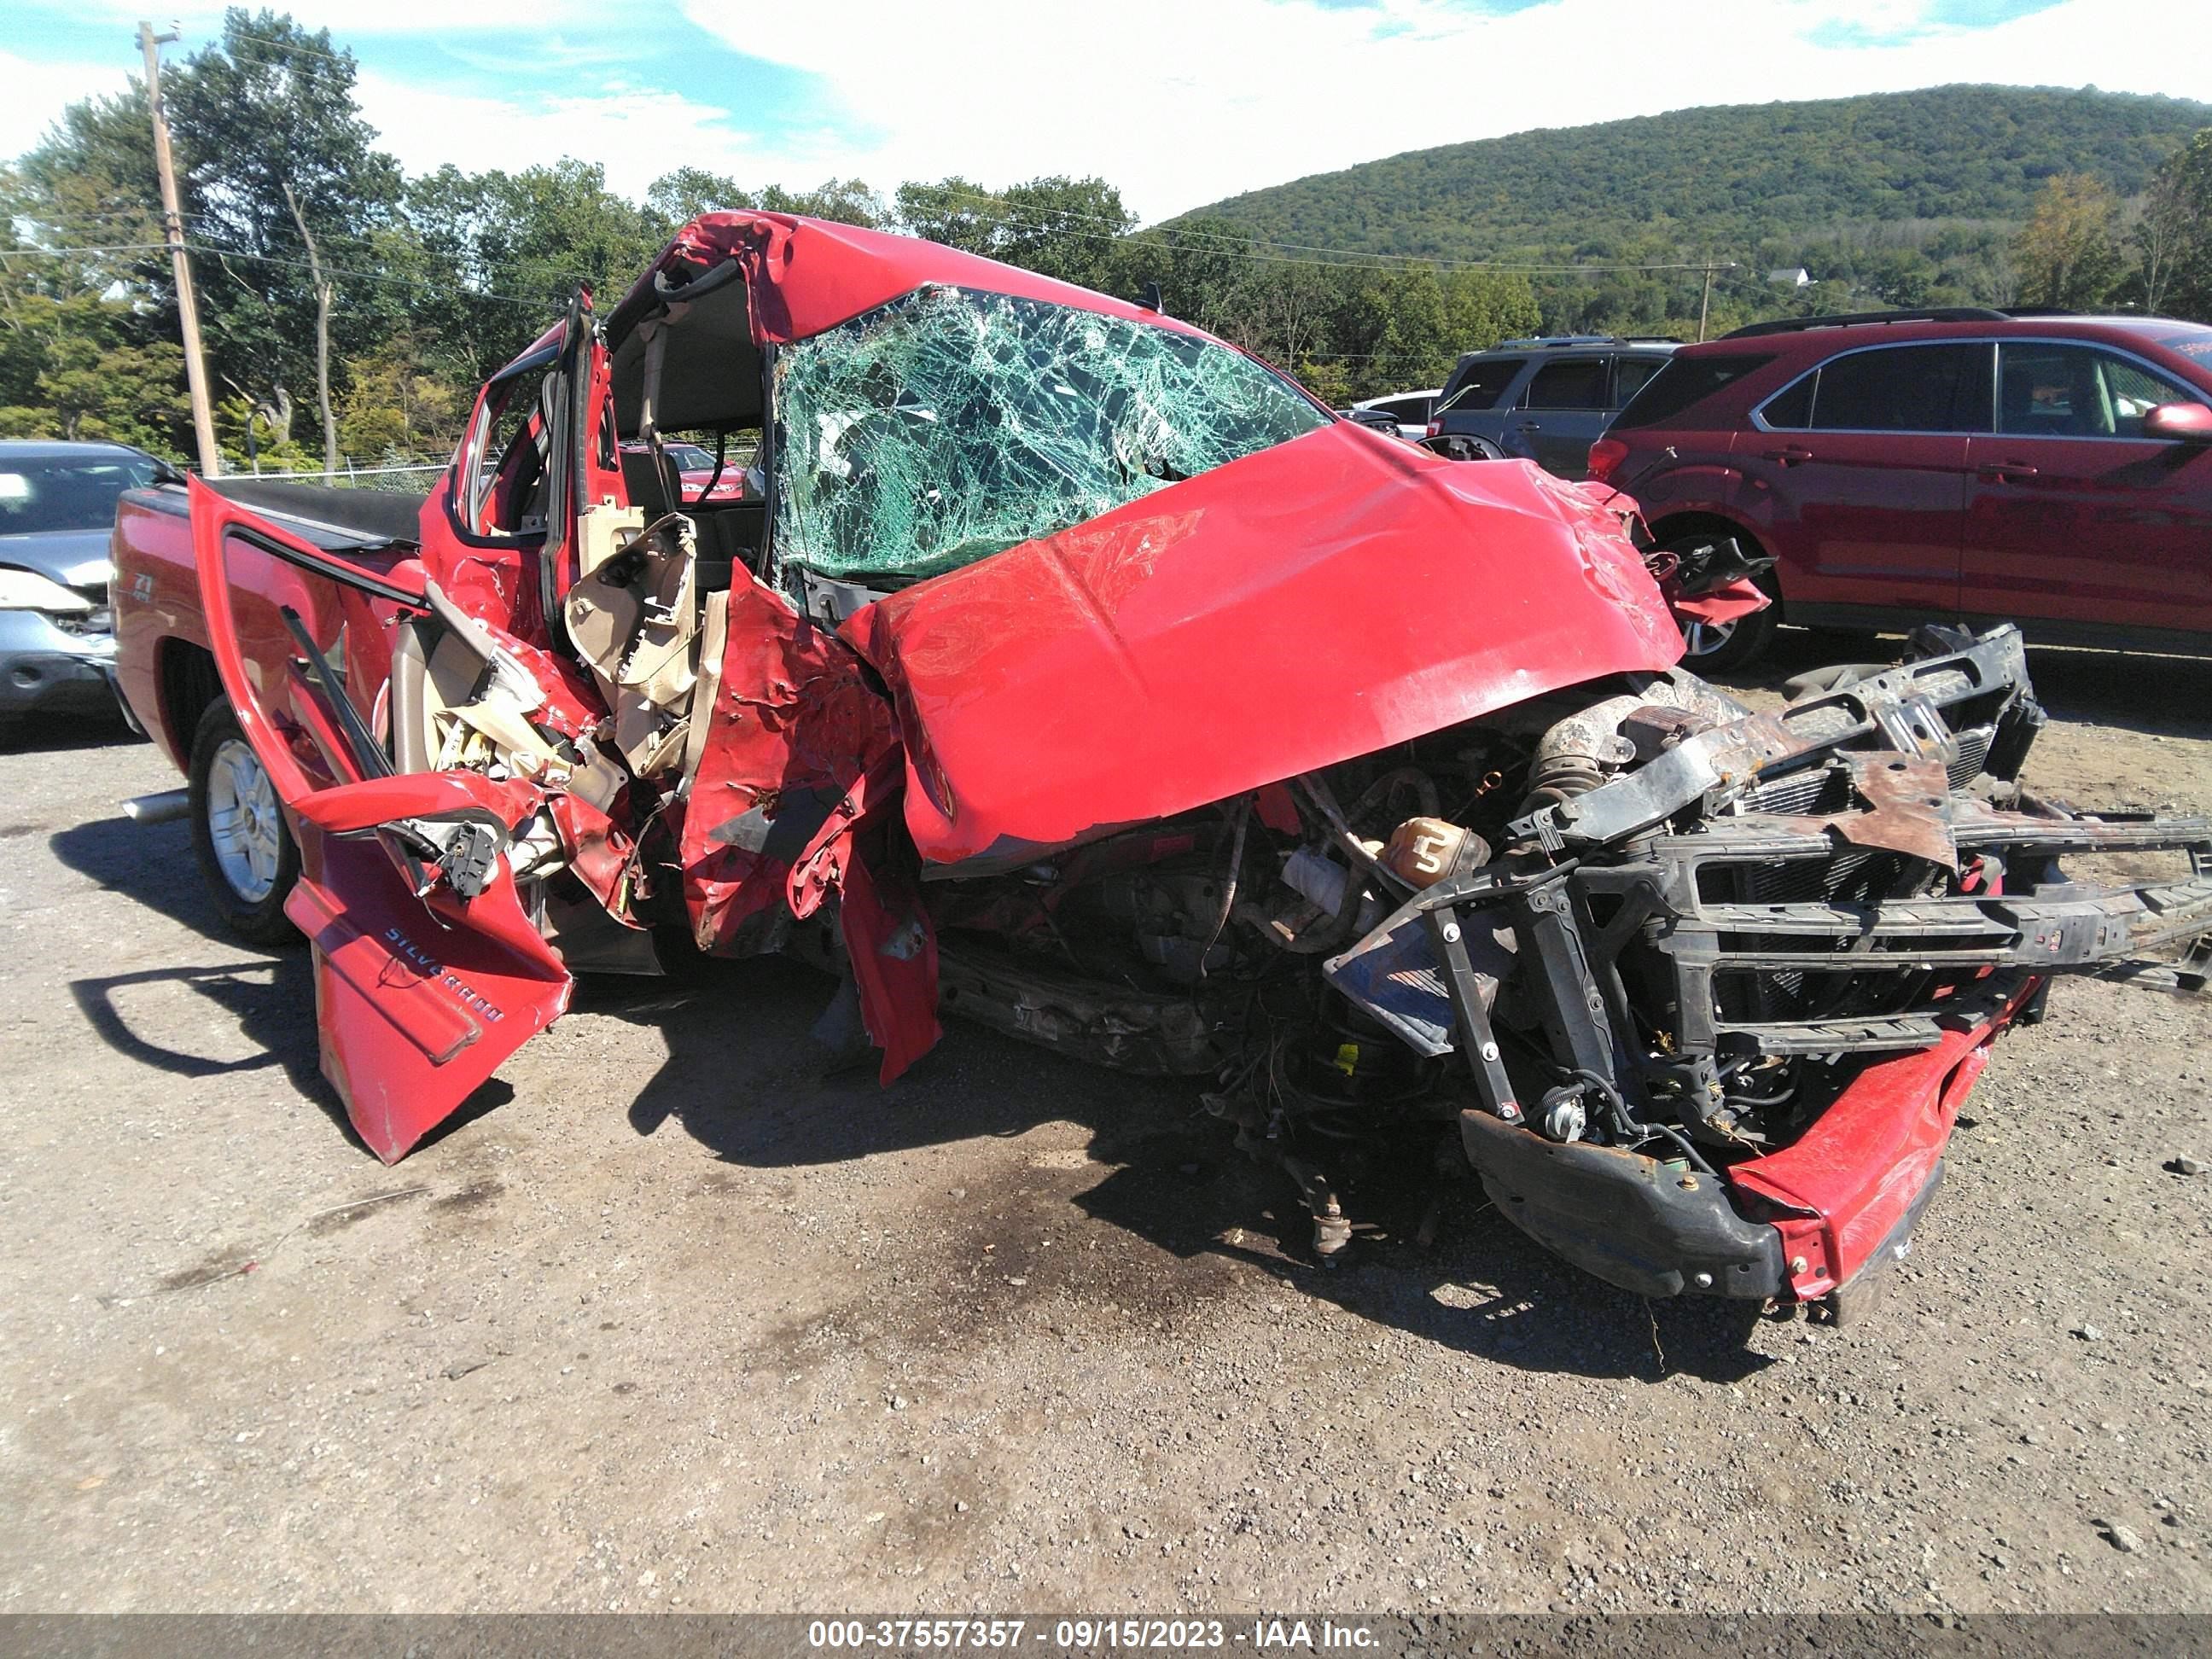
column 75, row 558
column 1317, row 601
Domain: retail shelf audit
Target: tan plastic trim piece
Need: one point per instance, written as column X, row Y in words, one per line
column 714, row 636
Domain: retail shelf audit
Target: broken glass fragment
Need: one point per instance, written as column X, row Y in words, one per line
column 949, row 425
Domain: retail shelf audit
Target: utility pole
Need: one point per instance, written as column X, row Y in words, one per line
column 172, row 231
column 1705, row 299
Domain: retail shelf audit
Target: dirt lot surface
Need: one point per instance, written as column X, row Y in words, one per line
column 672, row 1320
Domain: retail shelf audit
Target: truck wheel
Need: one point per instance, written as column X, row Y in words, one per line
column 245, row 847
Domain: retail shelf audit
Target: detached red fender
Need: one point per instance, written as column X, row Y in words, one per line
column 418, row 999
column 1729, row 602
column 1726, row 602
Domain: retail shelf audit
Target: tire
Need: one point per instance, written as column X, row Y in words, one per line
column 1454, row 447
column 1709, row 648
column 245, row 847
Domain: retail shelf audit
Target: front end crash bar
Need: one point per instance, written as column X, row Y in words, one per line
column 1842, row 1199
column 2040, row 927
column 1895, row 710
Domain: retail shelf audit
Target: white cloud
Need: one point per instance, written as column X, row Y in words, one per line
column 1178, row 103
column 1181, row 104
column 33, row 95
column 636, row 132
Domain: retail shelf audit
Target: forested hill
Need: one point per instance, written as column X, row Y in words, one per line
column 1736, row 174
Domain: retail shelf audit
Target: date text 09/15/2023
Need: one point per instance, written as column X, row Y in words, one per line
column 1256, row 1635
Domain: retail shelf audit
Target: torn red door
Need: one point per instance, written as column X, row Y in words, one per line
column 427, row 978
column 795, row 792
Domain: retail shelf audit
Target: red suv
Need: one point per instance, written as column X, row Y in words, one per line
column 1958, row 465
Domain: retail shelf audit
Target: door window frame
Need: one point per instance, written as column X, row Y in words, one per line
column 1604, row 363
column 464, row 497
column 1614, row 401
column 1996, row 343
column 1989, row 343
column 2155, row 371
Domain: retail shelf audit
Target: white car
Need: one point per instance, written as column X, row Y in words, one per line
column 1410, row 410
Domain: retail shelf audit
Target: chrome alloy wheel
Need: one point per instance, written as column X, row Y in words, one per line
column 244, row 825
column 1702, row 639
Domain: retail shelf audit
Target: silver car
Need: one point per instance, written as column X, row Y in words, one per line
column 57, row 511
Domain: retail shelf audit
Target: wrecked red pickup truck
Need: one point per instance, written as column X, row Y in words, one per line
column 1075, row 673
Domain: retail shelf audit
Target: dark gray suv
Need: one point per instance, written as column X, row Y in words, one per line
column 1543, row 400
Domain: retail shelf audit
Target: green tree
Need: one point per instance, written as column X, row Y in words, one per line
column 1068, row 228
column 398, row 410
column 252, row 439
column 77, row 368
column 1199, row 263
column 285, row 180
column 88, row 186
column 91, row 184
column 848, row 201
column 954, row 211
column 2069, row 249
column 674, row 199
column 2174, row 238
column 491, row 259
column 1064, row 227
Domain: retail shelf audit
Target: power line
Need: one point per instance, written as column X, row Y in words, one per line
column 1051, row 218
column 1047, row 219
column 218, row 251
column 1031, row 219
column 57, row 253
column 345, row 57
column 368, row 275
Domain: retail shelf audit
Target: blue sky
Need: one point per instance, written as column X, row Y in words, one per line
column 1178, row 101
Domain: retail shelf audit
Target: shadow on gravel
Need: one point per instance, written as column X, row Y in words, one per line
column 1480, row 1286
column 150, row 864
column 271, row 1003
column 262, row 998
column 744, row 1080
column 2160, row 696
column 269, row 998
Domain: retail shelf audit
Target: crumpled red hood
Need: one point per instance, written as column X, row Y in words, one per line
column 1312, row 603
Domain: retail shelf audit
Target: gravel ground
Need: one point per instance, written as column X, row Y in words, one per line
column 672, row 1321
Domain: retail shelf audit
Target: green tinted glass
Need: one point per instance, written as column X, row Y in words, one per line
column 949, row 425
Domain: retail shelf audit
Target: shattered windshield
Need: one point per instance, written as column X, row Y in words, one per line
column 949, row 425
